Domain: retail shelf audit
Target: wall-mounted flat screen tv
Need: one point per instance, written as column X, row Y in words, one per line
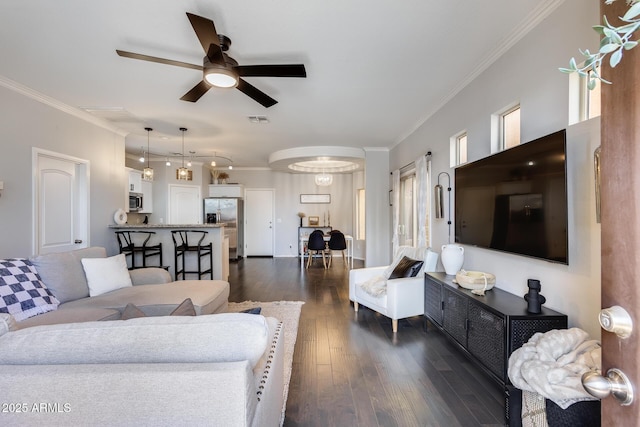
column 516, row 200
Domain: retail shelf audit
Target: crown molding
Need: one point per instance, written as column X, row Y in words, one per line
column 58, row 105
column 535, row 17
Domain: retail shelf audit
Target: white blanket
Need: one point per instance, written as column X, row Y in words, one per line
column 375, row 286
column 552, row 363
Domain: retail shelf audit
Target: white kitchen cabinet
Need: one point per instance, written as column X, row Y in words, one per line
column 226, row 190
column 135, row 181
column 147, row 197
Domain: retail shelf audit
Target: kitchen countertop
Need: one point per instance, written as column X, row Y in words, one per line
column 176, row 226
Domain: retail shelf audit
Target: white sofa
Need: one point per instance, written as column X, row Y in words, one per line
column 396, row 298
column 215, row 370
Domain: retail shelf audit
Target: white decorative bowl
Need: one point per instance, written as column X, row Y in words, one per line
column 475, row 280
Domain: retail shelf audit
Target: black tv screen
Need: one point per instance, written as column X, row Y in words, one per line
column 516, row 200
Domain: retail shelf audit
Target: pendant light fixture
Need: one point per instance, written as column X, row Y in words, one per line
column 183, row 173
column 147, row 173
column 324, row 179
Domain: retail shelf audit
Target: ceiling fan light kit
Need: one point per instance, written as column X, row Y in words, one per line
column 220, row 77
column 219, row 69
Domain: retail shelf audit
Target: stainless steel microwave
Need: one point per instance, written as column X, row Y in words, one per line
column 135, row 201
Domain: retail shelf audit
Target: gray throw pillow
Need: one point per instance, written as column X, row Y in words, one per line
column 407, row 267
column 184, row 309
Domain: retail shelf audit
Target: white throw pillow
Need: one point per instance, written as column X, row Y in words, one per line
column 106, row 274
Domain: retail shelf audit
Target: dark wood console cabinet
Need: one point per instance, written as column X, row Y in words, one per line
column 486, row 328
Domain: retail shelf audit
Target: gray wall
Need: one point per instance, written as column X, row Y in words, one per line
column 528, row 73
column 28, row 123
column 378, row 212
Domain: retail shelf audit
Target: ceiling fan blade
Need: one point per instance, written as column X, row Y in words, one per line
column 132, row 55
column 256, row 94
column 206, row 32
column 281, row 70
column 196, row 92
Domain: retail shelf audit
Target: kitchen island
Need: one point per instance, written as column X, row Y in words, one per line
column 215, row 235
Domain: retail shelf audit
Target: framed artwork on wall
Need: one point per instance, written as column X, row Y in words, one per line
column 315, row 198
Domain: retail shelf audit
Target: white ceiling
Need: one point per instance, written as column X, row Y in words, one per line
column 376, row 69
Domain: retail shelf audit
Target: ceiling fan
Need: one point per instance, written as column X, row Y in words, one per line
column 219, row 69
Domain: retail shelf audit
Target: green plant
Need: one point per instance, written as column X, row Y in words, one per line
column 615, row 40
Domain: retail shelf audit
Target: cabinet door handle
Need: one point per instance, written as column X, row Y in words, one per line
column 466, row 324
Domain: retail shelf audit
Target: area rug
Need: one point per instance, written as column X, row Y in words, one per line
column 288, row 312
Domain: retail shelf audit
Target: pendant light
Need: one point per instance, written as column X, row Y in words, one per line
column 183, row 173
column 324, row 179
column 147, row 173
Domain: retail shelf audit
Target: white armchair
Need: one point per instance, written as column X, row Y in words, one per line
column 395, row 298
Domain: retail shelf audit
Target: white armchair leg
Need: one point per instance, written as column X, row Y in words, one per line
column 394, row 325
column 355, row 306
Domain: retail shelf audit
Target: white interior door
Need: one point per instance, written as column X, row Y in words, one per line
column 61, row 203
column 259, row 215
column 185, row 204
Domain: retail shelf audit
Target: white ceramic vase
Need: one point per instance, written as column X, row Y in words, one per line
column 452, row 258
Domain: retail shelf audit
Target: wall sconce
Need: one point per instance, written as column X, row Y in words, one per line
column 439, row 202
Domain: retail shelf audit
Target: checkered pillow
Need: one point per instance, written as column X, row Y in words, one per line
column 22, row 293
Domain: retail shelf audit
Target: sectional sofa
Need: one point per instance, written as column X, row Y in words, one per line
column 80, row 365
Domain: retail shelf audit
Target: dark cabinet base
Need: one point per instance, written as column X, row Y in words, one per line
column 485, row 328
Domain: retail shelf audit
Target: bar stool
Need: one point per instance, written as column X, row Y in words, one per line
column 183, row 243
column 127, row 242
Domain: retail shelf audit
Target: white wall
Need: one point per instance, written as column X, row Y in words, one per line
column 288, row 188
column 528, row 74
column 378, row 212
column 28, row 123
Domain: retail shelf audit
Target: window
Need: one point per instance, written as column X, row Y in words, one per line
column 360, row 209
column 461, row 149
column 408, row 224
column 458, row 149
column 510, row 128
column 584, row 103
column 591, row 98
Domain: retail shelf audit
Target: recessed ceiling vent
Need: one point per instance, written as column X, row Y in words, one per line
column 258, row 119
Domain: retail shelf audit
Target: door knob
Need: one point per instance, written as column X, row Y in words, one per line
column 616, row 319
column 615, row 383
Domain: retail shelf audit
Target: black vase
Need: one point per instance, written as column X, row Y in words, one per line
column 534, row 298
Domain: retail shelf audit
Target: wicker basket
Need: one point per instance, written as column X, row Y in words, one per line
column 475, row 280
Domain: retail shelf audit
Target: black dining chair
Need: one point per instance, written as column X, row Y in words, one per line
column 316, row 243
column 337, row 242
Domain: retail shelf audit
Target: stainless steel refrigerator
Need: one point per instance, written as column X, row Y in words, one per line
column 229, row 211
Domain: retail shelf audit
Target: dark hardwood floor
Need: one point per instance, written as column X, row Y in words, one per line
column 351, row 370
